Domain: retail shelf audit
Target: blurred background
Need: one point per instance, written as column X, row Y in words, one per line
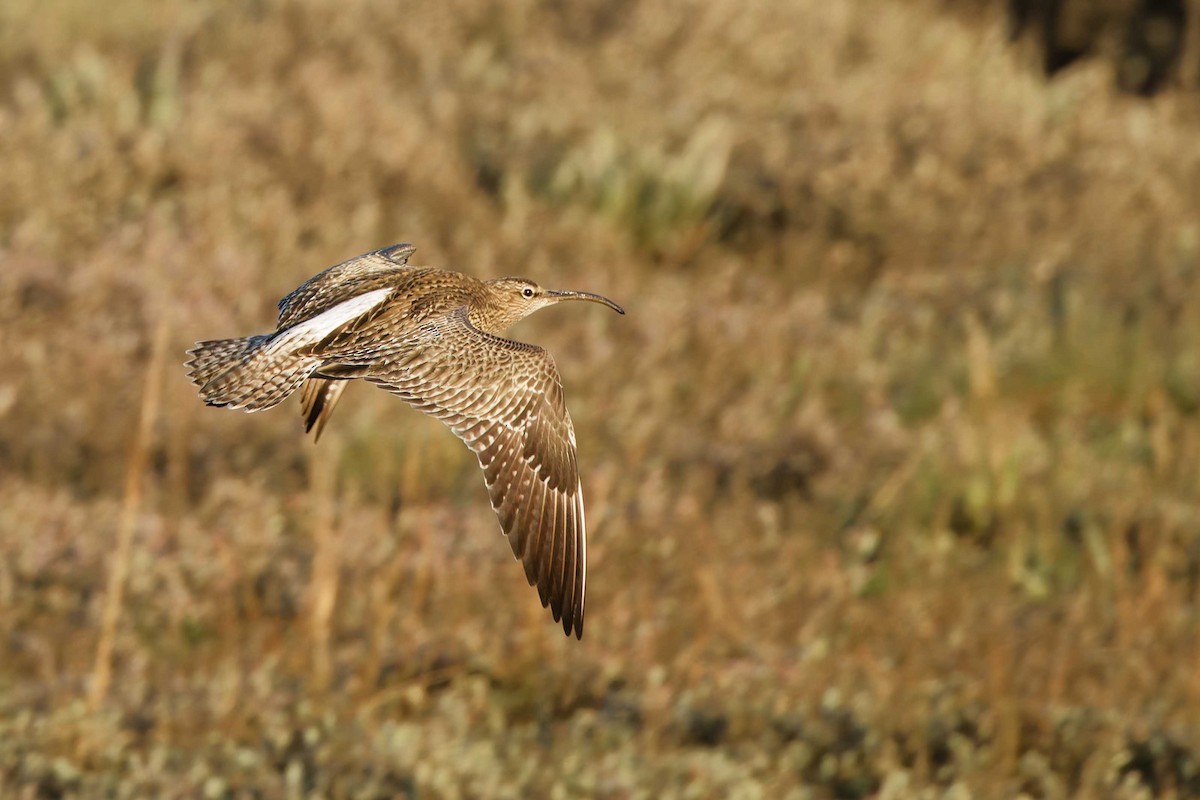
column 891, row 469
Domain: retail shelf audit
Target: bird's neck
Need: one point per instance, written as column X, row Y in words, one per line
column 491, row 315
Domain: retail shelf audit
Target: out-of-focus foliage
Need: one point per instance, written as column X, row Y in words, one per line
column 891, row 468
column 1151, row 43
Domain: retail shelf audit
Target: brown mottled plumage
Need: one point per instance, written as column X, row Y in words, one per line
column 436, row 339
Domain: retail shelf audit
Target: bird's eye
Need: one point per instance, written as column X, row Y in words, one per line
column 528, row 292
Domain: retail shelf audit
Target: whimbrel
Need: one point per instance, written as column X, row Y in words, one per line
column 435, row 339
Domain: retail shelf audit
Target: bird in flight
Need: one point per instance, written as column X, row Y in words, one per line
column 435, row 339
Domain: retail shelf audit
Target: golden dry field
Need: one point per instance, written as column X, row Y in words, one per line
column 892, row 469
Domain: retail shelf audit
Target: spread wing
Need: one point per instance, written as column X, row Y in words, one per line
column 505, row 400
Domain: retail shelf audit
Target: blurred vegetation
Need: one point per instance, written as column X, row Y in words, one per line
column 891, row 469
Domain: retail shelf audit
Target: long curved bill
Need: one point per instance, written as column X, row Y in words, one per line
column 595, row 298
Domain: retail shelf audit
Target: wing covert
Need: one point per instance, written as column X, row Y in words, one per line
column 340, row 281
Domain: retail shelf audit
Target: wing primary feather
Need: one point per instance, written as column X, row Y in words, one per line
column 558, row 563
column 511, row 499
column 553, row 560
column 581, row 564
column 546, row 524
column 568, row 570
column 523, row 503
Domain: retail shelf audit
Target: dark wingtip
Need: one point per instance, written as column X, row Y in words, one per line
column 572, row 622
column 398, row 253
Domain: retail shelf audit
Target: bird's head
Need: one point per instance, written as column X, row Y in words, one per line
column 513, row 299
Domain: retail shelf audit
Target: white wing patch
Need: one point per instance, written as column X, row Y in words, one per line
column 313, row 330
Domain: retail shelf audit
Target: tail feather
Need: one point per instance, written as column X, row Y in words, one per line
column 210, row 359
column 252, row 373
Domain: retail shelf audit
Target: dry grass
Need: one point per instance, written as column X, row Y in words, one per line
column 891, row 469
